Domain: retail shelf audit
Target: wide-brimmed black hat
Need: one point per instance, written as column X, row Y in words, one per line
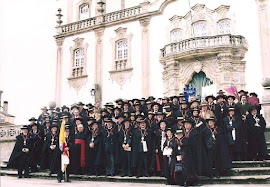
column 210, row 96
column 44, row 108
column 80, row 119
column 231, row 108
column 34, row 124
column 220, row 91
column 219, row 96
column 168, row 129
column 109, row 121
column 32, row 119
column 180, row 131
column 188, row 120
column 94, row 122
column 80, row 104
column 125, row 120
column 180, row 118
column 246, row 92
column 211, row 118
column 181, row 95
column 24, row 127
column 52, row 126
column 253, row 94
column 252, row 108
column 231, row 96
column 151, row 98
column 183, row 101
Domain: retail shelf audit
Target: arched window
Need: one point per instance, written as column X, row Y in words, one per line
column 84, row 11
column 78, row 58
column 176, row 35
column 224, row 26
column 122, row 49
column 200, row 28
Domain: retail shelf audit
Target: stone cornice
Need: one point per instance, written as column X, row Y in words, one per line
column 111, row 19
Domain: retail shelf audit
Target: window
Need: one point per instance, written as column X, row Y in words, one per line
column 200, row 28
column 84, row 11
column 122, row 49
column 224, row 26
column 176, row 35
column 79, row 58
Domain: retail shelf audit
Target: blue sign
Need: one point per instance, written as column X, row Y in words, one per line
column 189, row 92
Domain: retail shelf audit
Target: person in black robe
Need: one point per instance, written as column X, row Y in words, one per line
column 111, row 147
column 234, row 134
column 231, row 104
column 94, row 149
column 192, row 135
column 142, row 148
column 256, row 139
column 216, row 148
column 36, row 140
column 160, row 138
column 79, row 160
column 179, row 125
column 125, row 137
column 183, row 110
column 51, row 149
column 219, row 110
column 169, row 162
column 70, row 143
column 185, row 173
column 203, row 166
column 20, row 156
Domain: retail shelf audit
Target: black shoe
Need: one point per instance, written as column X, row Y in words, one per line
column 137, row 176
column 59, row 180
column 68, row 180
column 26, row 177
column 123, row 175
column 218, row 176
column 19, row 177
column 146, row 175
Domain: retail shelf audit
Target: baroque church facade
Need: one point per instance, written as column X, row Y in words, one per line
column 132, row 49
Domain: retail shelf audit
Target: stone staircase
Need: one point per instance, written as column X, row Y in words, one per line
column 243, row 172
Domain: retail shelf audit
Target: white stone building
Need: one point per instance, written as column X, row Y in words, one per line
column 133, row 49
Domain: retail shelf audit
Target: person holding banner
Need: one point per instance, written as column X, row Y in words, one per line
column 66, row 142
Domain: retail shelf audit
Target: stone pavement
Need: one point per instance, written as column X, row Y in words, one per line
column 7, row 181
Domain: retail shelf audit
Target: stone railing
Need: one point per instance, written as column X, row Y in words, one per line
column 204, row 42
column 95, row 22
column 7, row 141
column 120, row 64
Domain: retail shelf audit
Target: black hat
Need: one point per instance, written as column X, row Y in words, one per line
column 80, row 104
column 74, row 106
column 210, row 96
column 253, row 94
column 151, row 98
column 211, row 118
column 64, row 107
column 120, row 116
column 188, row 120
column 195, row 109
column 179, row 131
column 137, row 103
column 231, row 96
column 219, row 96
column 90, row 118
column 168, row 129
column 195, row 101
column 125, row 120
column 142, row 120
column 180, row 118
column 246, row 92
column 172, row 97
column 252, row 108
column 181, row 95
column 75, row 119
column 159, row 113
column 24, row 127
column 44, row 108
column 94, row 122
column 231, row 108
column 109, row 120
column 34, row 124
column 183, row 101
column 52, row 126
column 67, row 126
column 166, row 98
column 32, row 119
column 220, row 91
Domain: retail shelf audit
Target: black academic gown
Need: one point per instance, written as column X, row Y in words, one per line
column 188, row 173
column 94, row 155
column 158, row 160
column 217, row 149
column 236, row 146
column 256, row 139
column 49, row 156
column 19, row 159
column 36, row 140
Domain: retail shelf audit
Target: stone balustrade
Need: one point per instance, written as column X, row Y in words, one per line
column 7, row 141
column 94, row 22
column 205, row 42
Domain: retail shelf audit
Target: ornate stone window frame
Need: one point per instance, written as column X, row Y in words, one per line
column 219, row 21
column 197, row 22
column 171, row 35
column 76, row 81
column 78, row 8
column 121, row 68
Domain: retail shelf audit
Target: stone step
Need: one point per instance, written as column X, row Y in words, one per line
column 248, row 171
column 248, row 164
column 258, row 179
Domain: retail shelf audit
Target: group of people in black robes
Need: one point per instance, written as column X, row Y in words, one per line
column 169, row 137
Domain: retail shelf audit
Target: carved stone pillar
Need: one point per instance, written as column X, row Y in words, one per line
column 99, row 64
column 59, row 63
column 264, row 25
column 171, row 81
column 145, row 57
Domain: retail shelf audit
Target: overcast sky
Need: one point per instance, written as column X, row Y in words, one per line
column 28, row 54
